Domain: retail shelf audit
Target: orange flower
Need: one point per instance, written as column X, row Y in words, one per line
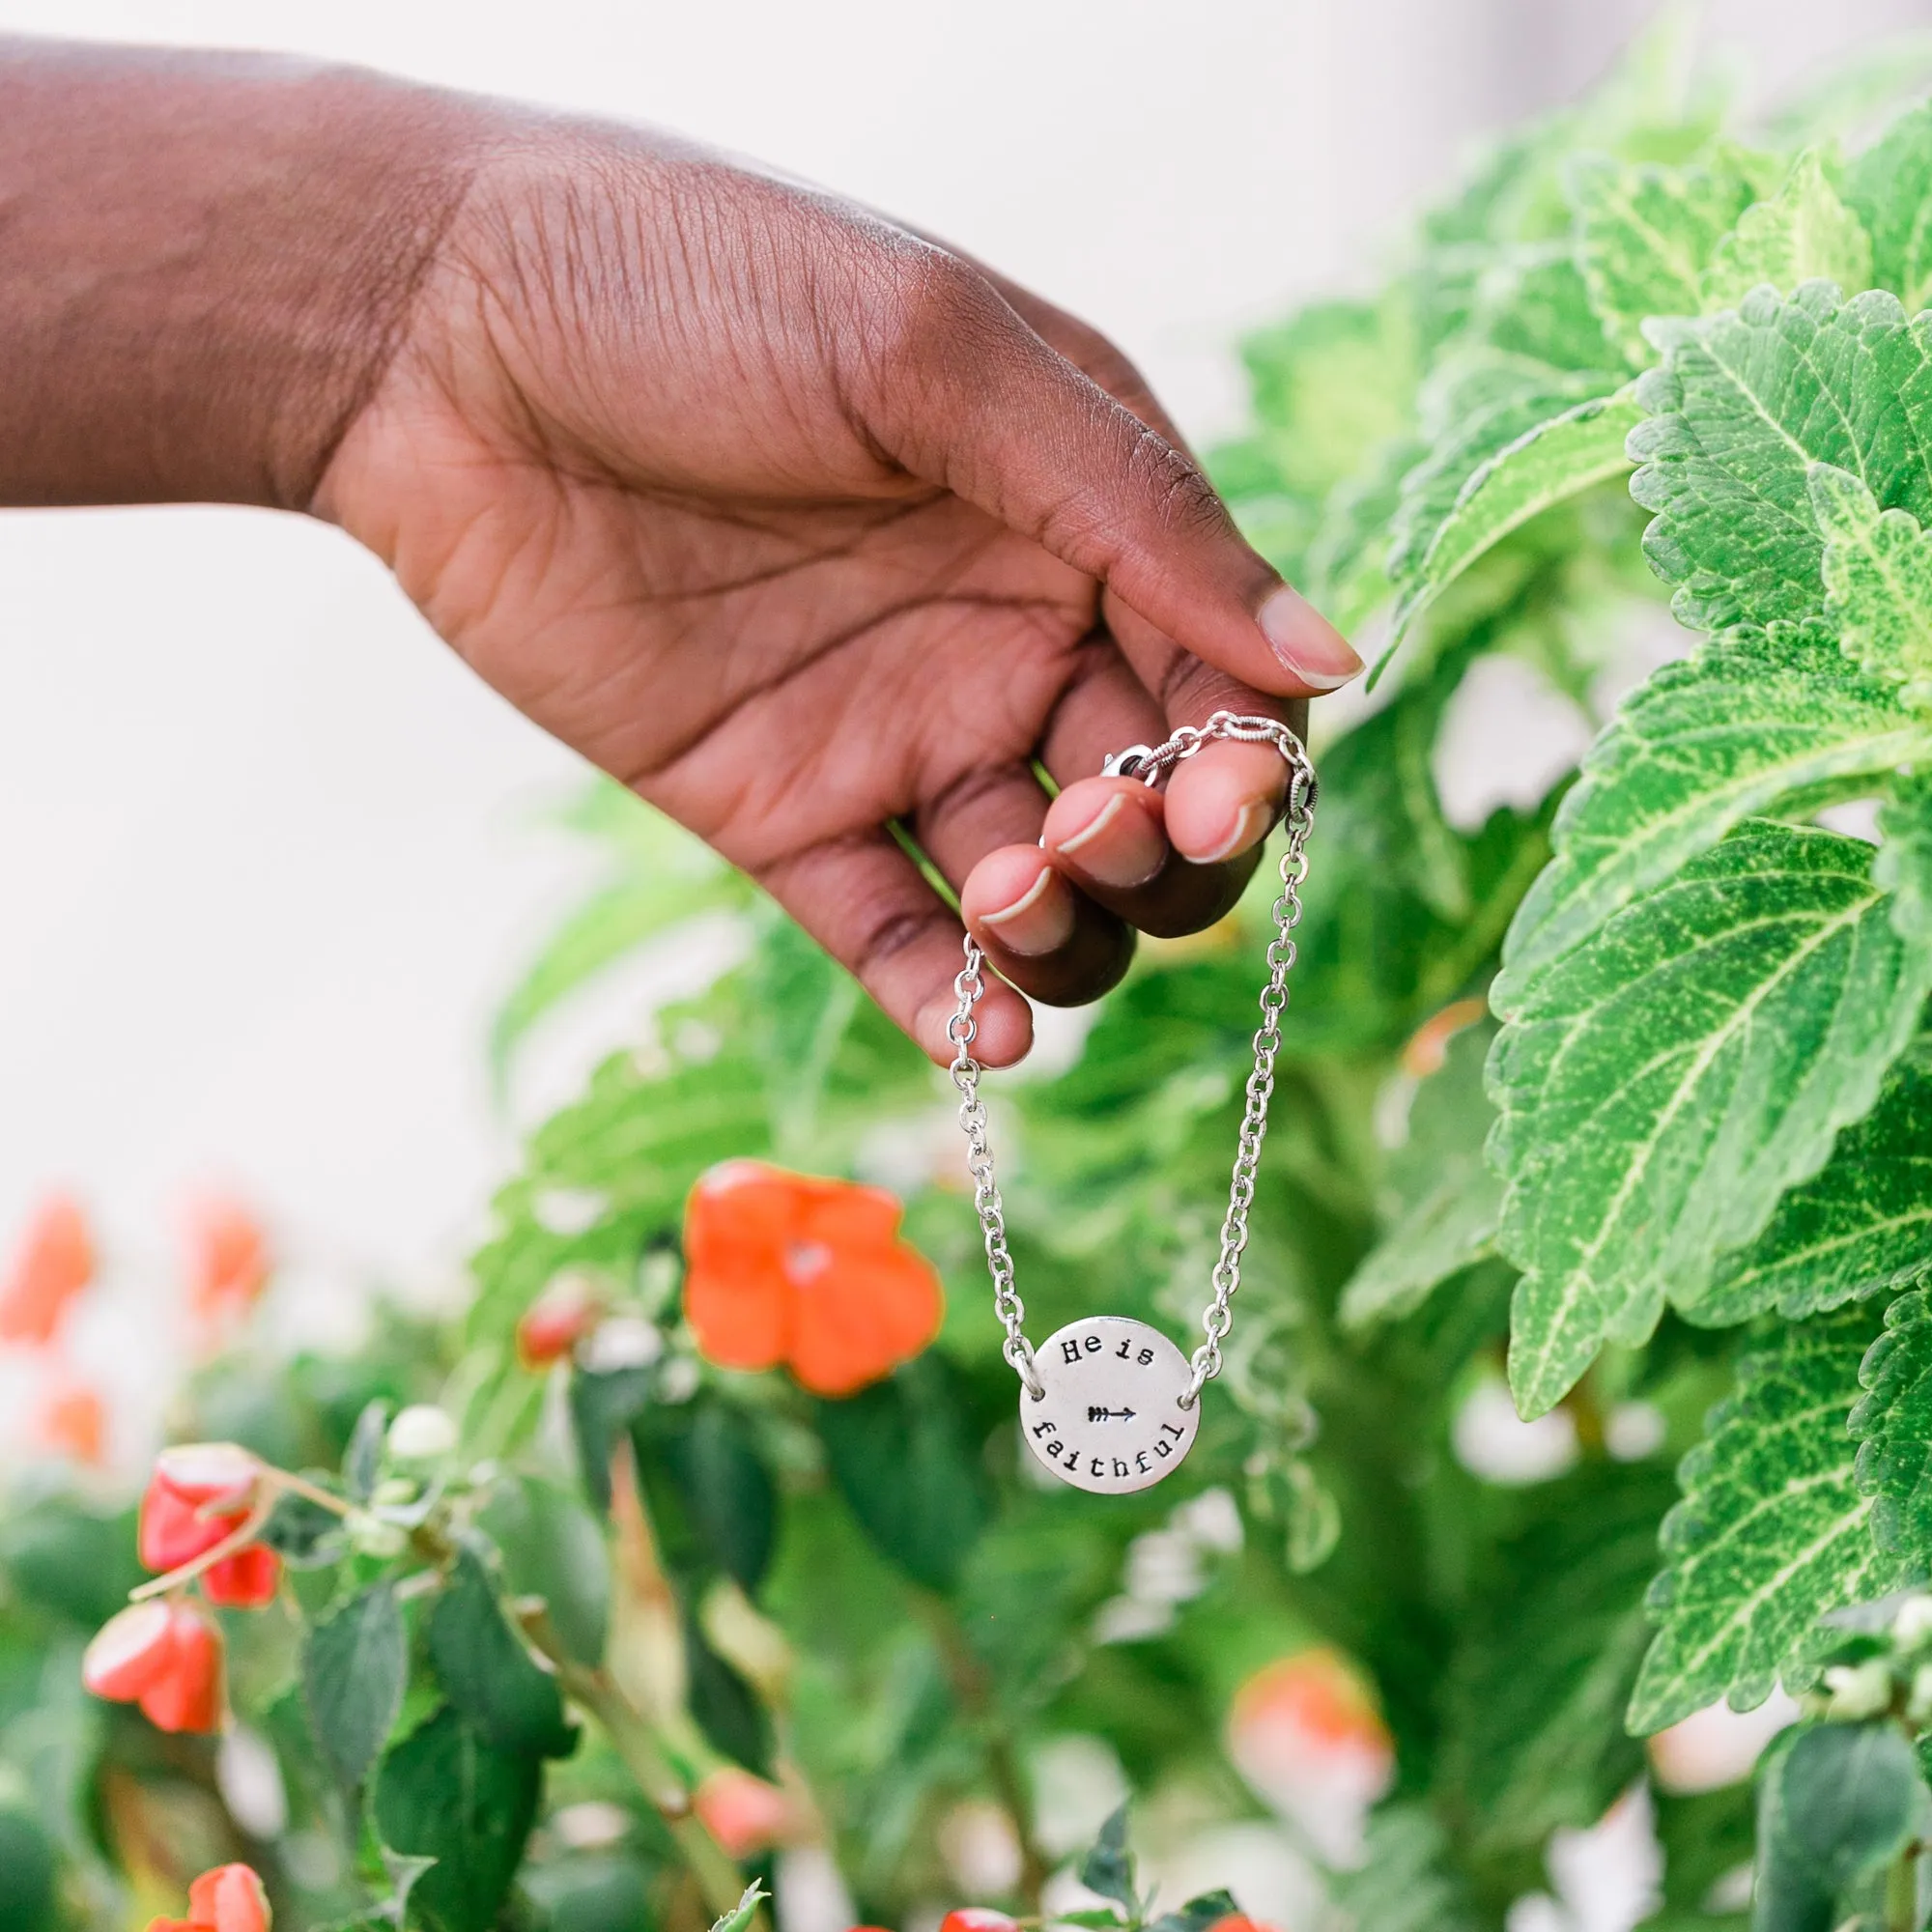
column 231, row 1898
column 74, row 1423
column 228, row 1261
column 782, row 1267
column 54, row 1262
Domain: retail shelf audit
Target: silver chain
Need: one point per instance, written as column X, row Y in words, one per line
column 1150, row 763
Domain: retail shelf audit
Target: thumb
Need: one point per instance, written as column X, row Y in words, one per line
column 967, row 396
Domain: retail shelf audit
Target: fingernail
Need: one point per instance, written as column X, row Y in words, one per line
column 1118, row 846
column 1250, row 823
column 1307, row 644
column 1040, row 919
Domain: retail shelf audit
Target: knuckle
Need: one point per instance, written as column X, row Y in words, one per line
column 932, row 304
column 1171, row 482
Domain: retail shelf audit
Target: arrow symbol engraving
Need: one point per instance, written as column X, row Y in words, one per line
column 1109, row 1415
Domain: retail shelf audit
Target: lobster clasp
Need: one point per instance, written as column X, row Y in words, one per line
column 1135, row 762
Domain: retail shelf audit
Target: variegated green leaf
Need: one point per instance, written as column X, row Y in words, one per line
column 1473, row 408
column 1862, row 1227
column 1802, row 234
column 1892, row 1424
column 1773, row 1531
column 1664, row 1084
column 1644, row 237
column 1550, row 460
column 1751, row 723
column 1877, row 581
column 1890, row 186
column 1743, row 406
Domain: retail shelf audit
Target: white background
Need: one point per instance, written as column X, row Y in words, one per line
column 266, row 851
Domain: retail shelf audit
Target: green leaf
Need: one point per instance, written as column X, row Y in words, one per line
column 28, row 1900
column 1644, row 236
column 903, row 1458
column 618, row 918
column 1834, row 1808
column 744, row 1911
column 1742, row 408
column 1328, row 386
column 1751, row 722
column 71, row 1561
column 1892, row 1424
column 362, row 1462
column 1198, row 1913
column 355, row 1667
column 1877, row 581
column 1890, row 186
column 447, row 1794
column 304, row 1534
column 1862, row 1226
column 1406, row 1881
column 603, row 1404
column 1476, row 407
column 488, row 1671
column 726, row 1707
column 1553, row 460
column 1440, row 1202
column 1804, row 233
column 1108, row 1868
column 551, row 1548
column 1773, row 1531
column 1534, row 1703
column 727, row 1495
column 1769, row 993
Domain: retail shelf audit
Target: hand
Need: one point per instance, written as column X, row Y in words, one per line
column 783, row 515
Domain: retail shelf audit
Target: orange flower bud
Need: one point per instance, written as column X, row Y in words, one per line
column 229, row 1899
column 131, row 1651
column 784, row 1267
column 743, row 1813
column 188, row 1696
column 556, row 1320
column 54, row 1262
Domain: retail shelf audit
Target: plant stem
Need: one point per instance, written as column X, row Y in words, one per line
column 967, row 1676
column 645, row 1759
column 1901, row 1891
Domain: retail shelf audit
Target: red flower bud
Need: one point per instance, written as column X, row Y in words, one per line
column 174, row 1531
column 222, row 1474
column 199, row 1494
column 556, row 1320
column 976, row 1918
column 130, row 1652
column 229, row 1899
column 247, row 1580
column 188, row 1696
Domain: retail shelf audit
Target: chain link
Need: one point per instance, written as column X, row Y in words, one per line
column 1150, row 763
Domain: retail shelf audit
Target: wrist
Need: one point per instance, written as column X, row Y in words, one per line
column 210, row 262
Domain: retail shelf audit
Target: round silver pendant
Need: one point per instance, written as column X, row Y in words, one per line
column 1111, row 1419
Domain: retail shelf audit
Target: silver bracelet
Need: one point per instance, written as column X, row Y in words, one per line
column 1111, row 1405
